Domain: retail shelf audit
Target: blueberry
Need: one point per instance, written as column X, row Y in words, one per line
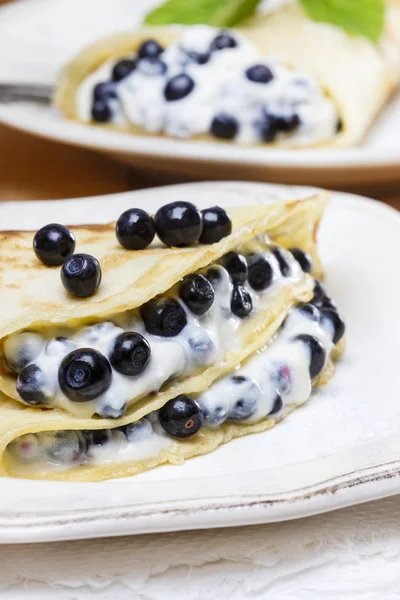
column 303, row 258
column 93, row 334
column 60, row 346
column 241, row 302
column 203, row 349
column 282, row 378
column 150, row 49
column 238, row 379
column 97, row 437
column 104, row 91
column 242, row 409
column 22, row 348
column 260, row 272
column 130, row 354
column 317, row 353
column 109, row 412
column 122, row 69
column 163, row 316
column 309, row 310
column 178, row 224
column 249, row 396
column 259, row 74
column 138, row 431
column 101, row 112
column 197, row 293
column 201, row 58
column 135, row 229
column 64, row 447
column 181, row 417
column 222, row 284
column 213, row 416
column 268, row 128
column 33, row 387
column 81, row 275
column 216, row 225
column 236, row 265
column 319, row 290
column 288, row 123
column 178, row 87
column 223, row 41
column 284, row 266
column 324, row 302
column 214, row 276
column 277, row 405
column 25, row 448
column 152, row 67
column 224, row 126
column 333, row 318
column 53, row 244
column 84, row 375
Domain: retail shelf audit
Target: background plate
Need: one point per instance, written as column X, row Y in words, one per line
column 341, row 448
column 38, row 36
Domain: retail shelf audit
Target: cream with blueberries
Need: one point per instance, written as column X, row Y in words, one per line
column 208, row 82
column 261, row 391
column 279, row 79
column 105, row 367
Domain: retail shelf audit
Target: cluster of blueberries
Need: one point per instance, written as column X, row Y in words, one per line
column 85, row 373
column 148, row 60
column 224, row 125
column 182, row 417
column 177, row 224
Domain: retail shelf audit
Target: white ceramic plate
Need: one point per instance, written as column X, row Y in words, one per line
column 341, row 448
column 38, row 36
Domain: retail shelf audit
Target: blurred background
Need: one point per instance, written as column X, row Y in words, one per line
column 35, row 168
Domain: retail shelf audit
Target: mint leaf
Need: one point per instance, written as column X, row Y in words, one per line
column 219, row 13
column 359, row 17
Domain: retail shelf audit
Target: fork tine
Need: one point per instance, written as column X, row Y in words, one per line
column 21, row 92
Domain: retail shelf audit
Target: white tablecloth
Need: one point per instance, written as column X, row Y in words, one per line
column 349, row 554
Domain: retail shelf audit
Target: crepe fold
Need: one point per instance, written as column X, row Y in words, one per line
column 356, row 74
column 17, row 421
column 34, row 299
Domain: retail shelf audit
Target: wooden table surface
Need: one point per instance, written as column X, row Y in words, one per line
column 32, row 168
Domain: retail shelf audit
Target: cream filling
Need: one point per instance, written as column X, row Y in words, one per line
column 220, row 86
column 280, row 371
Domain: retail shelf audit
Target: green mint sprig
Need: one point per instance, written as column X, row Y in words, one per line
column 358, row 17
column 220, row 13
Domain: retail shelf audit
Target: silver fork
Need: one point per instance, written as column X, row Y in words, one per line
column 25, row 92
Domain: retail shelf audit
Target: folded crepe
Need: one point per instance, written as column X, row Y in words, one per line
column 358, row 75
column 273, row 359
column 259, row 393
column 322, row 87
column 38, row 312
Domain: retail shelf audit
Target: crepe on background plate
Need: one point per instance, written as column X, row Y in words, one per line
column 356, row 74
